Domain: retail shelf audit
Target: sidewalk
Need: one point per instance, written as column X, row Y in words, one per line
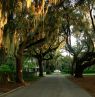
column 50, row 86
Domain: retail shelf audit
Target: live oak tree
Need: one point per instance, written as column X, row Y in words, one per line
column 42, row 53
column 83, row 58
column 19, row 29
column 52, row 42
column 87, row 59
column 22, row 20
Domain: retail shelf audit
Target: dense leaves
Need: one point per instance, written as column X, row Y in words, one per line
column 37, row 28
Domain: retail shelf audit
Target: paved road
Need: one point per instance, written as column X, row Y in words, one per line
column 50, row 86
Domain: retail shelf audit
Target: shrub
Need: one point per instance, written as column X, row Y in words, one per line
column 5, row 73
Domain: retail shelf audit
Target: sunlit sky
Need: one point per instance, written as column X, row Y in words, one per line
column 73, row 42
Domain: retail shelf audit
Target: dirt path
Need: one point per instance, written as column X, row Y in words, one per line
column 50, row 86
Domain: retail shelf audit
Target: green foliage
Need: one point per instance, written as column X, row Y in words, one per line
column 7, row 73
column 5, row 69
column 66, row 64
column 2, row 55
column 90, row 69
column 8, row 66
column 29, row 70
column 32, row 65
column 29, row 64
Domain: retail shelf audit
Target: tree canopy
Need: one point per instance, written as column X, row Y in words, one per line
column 36, row 28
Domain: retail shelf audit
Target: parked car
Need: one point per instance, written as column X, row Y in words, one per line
column 57, row 71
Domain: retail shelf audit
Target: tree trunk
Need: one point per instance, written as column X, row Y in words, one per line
column 78, row 71
column 73, row 65
column 19, row 74
column 40, row 67
column 81, row 67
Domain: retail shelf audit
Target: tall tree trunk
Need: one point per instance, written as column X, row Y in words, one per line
column 80, row 66
column 19, row 73
column 78, row 71
column 40, row 67
column 73, row 65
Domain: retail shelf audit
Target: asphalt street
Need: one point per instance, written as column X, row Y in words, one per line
column 50, row 86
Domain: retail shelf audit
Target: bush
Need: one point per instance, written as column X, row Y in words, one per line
column 6, row 73
column 89, row 71
column 5, row 69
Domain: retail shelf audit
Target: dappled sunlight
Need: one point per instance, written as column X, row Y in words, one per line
column 28, row 2
column 73, row 40
column 1, row 37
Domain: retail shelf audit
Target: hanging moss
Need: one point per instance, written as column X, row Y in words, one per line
column 2, row 55
column 5, row 31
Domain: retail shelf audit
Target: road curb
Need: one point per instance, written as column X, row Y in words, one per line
column 4, row 94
